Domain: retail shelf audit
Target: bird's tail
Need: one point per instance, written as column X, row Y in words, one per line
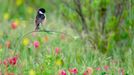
column 37, row 27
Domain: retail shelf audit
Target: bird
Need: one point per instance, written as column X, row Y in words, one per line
column 40, row 18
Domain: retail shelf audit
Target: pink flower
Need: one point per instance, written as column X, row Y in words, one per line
column 57, row 50
column 98, row 68
column 13, row 25
column 36, row 44
column 62, row 72
column 5, row 62
column 73, row 71
column 106, row 67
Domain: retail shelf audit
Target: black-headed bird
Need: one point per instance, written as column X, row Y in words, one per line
column 40, row 18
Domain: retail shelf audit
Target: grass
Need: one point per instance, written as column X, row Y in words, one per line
column 45, row 61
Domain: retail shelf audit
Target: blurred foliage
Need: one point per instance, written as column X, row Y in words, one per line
column 109, row 23
column 103, row 25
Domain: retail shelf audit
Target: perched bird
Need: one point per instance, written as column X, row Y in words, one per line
column 40, row 18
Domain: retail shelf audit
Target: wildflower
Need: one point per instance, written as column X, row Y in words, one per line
column 98, row 68
column 62, row 72
column 32, row 72
column 73, row 71
column 88, row 71
column 13, row 25
column 57, row 50
column 7, row 43
column 36, row 44
column 6, row 16
column 25, row 41
column 106, row 67
column 10, row 61
column 17, row 22
column 5, row 62
column 19, row 2
column 13, row 60
column 59, row 62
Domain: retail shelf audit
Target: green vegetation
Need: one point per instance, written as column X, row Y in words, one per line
column 93, row 35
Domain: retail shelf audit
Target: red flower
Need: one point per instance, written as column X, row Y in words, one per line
column 13, row 61
column 14, row 25
column 73, row 71
column 10, row 61
column 36, row 44
column 62, row 72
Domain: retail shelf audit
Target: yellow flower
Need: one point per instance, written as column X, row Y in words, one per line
column 59, row 62
column 32, row 72
column 19, row 2
column 6, row 16
column 17, row 22
column 30, row 10
column 25, row 41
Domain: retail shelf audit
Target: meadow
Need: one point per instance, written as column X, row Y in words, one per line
column 80, row 37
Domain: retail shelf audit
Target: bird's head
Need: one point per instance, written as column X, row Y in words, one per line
column 41, row 11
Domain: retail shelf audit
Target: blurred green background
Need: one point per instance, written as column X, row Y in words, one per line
column 105, row 27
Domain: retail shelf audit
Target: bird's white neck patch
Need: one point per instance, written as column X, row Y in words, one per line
column 41, row 12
